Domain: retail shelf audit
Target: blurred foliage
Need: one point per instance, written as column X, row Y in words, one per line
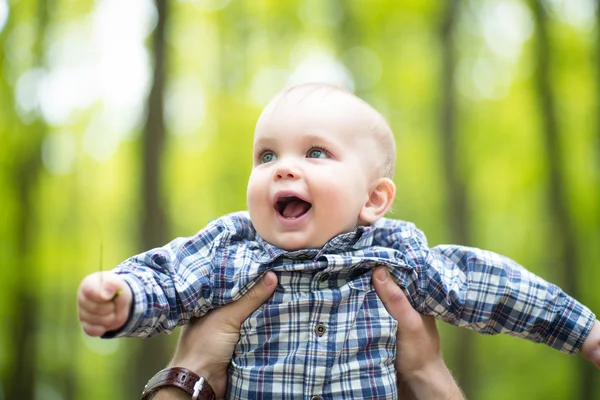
column 74, row 79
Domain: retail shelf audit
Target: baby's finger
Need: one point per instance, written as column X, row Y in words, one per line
column 112, row 286
column 91, row 287
column 122, row 304
column 93, row 330
column 93, row 307
column 107, row 321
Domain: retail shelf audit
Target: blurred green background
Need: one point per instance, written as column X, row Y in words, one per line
column 124, row 124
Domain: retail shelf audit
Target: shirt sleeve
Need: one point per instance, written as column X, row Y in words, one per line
column 492, row 294
column 170, row 284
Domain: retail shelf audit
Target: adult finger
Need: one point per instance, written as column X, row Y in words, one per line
column 241, row 309
column 417, row 338
column 395, row 300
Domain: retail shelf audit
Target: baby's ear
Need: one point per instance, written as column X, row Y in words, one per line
column 380, row 201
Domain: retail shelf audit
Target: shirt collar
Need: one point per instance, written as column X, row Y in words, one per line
column 359, row 238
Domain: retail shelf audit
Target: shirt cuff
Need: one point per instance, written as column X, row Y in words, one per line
column 571, row 328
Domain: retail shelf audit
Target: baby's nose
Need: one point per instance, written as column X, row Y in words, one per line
column 286, row 170
column 283, row 175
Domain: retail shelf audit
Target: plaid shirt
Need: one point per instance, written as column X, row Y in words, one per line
column 325, row 332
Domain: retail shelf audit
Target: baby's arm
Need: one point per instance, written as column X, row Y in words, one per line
column 181, row 280
column 493, row 294
column 169, row 285
column 488, row 293
column 103, row 303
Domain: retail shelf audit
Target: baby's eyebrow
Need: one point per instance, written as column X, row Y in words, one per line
column 264, row 142
column 321, row 137
column 307, row 139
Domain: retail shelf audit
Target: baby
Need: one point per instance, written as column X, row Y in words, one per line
column 317, row 195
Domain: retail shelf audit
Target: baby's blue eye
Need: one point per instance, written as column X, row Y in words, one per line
column 267, row 157
column 317, row 153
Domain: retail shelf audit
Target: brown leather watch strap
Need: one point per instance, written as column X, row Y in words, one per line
column 182, row 378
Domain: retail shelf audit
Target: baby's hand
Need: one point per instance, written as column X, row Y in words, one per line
column 103, row 301
column 591, row 347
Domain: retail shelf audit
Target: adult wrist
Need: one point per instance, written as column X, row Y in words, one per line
column 190, row 385
column 435, row 382
column 205, row 364
column 197, row 368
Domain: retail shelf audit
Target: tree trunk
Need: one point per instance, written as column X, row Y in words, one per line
column 153, row 354
column 25, row 316
column 21, row 384
column 457, row 207
column 563, row 239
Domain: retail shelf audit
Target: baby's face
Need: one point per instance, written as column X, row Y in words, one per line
column 313, row 167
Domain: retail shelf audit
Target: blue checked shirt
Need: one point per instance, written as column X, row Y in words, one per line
column 325, row 332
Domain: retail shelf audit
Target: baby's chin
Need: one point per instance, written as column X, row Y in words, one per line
column 301, row 239
column 293, row 241
column 292, row 244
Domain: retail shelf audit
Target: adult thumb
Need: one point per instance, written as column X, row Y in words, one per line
column 392, row 297
column 241, row 309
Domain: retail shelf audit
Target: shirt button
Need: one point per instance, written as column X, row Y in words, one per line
column 324, row 277
column 316, row 398
column 320, row 329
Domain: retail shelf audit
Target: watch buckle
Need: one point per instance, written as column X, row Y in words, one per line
column 198, row 388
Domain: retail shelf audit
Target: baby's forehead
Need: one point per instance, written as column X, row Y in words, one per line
column 322, row 105
column 320, row 102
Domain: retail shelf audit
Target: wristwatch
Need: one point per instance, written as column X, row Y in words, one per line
column 182, row 378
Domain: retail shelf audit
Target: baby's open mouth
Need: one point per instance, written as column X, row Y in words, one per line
column 292, row 206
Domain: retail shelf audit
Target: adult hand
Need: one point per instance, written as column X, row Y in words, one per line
column 422, row 373
column 206, row 344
